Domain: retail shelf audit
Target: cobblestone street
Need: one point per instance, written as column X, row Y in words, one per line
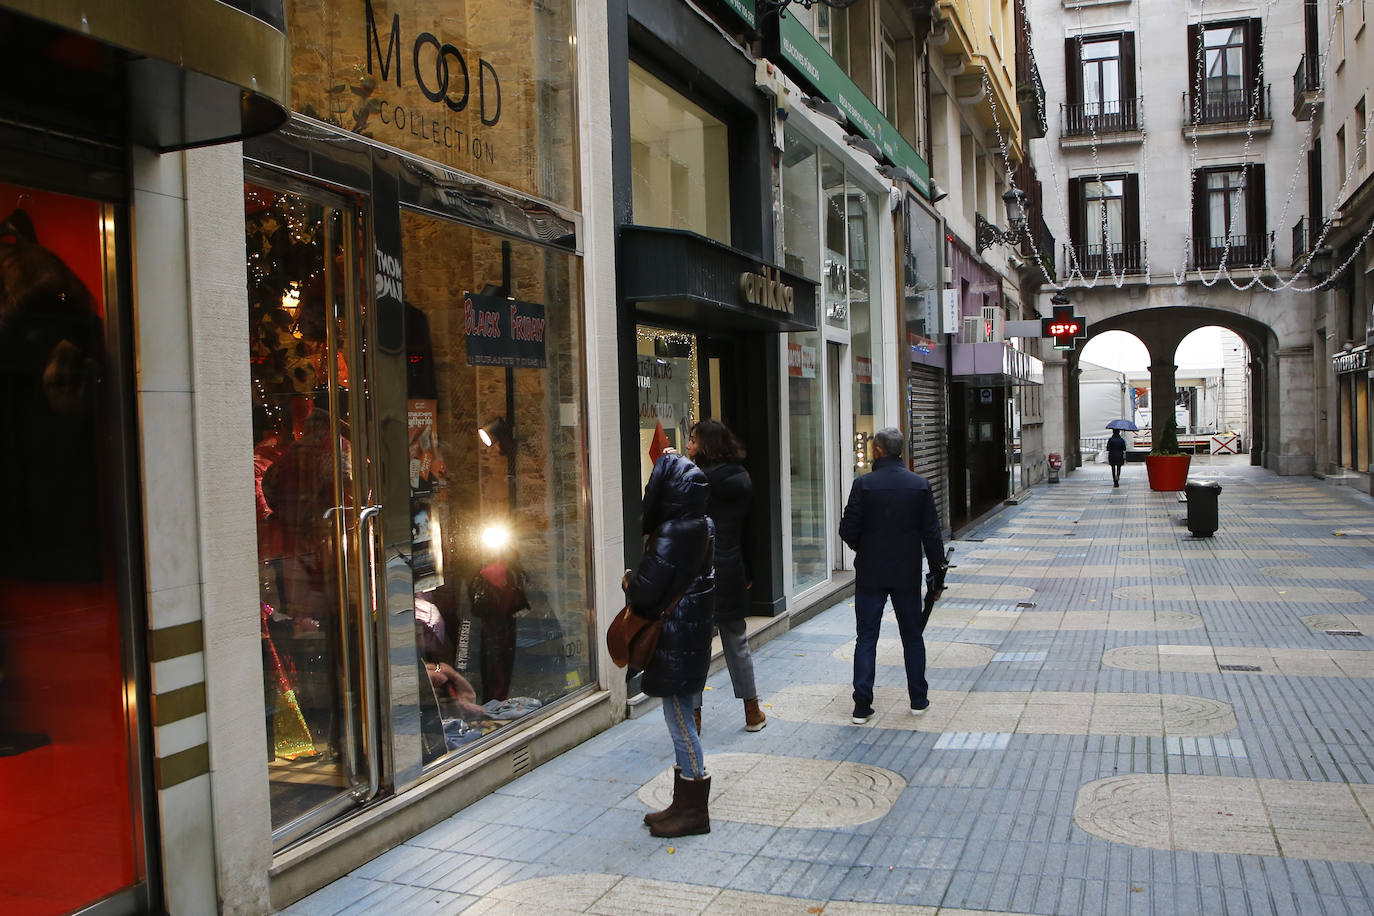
column 1124, row 719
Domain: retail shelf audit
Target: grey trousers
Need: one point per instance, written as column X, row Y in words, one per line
column 738, row 661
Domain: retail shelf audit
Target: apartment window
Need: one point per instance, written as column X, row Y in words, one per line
column 1224, row 71
column 1361, row 135
column 831, row 29
column 1101, row 87
column 887, row 87
column 1340, row 154
column 1104, row 224
column 1229, row 216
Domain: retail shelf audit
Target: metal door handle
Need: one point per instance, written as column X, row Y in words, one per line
column 367, row 552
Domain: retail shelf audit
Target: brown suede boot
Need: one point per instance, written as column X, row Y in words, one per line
column 653, row 817
column 696, row 717
column 754, row 719
column 690, row 799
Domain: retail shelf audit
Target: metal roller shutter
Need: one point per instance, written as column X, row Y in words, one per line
column 928, row 424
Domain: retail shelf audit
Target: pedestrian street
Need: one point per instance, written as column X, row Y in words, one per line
column 1124, row 719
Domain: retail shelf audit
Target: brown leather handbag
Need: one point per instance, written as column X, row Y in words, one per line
column 632, row 640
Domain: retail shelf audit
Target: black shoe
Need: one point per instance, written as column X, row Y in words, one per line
column 919, row 708
column 861, row 714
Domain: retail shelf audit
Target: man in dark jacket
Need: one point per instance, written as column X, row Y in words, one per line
column 889, row 521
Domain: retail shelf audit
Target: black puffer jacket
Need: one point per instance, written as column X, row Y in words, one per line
column 677, row 556
column 731, row 494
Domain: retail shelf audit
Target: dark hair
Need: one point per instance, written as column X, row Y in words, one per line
column 715, row 443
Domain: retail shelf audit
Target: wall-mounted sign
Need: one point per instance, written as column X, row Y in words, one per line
column 504, row 332
column 448, row 80
column 766, row 290
column 1353, row 361
column 949, row 311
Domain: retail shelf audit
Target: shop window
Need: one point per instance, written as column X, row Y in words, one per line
column 422, row 465
column 680, row 160
column 69, row 830
column 497, row 453
column 920, row 277
column 669, row 392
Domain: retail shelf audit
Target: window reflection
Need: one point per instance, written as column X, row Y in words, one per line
column 496, row 464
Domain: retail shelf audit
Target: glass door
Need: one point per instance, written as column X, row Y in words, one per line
column 315, row 502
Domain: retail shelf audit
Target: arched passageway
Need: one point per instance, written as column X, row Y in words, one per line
column 1275, row 396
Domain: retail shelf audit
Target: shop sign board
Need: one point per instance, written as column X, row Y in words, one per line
column 765, row 288
column 744, row 9
column 475, row 87
column 1353, row 361
column 504, row 332
column 797, row 46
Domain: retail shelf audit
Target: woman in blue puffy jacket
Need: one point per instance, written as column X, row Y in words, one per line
column 677, row 562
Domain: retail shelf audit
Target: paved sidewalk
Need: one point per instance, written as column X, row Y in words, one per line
column 1124, row 720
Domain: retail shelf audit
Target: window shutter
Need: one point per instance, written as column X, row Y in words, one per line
column 1128, row 89
column 1194, row 71
column 1073, row 70
column 1130, row 207
column 1075, row 211
column 1201, row 227
column 1254, row 55
column 1256, row 223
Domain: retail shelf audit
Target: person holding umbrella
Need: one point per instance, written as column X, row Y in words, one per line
column 1116, row 448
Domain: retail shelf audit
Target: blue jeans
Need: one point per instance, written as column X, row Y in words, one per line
column 683, row 730
column 868, row 619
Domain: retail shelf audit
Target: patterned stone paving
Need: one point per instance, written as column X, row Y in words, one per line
column 1237, row 594
column 1233, row 815
column 938, row 654
column 615, row 894
column 1291, row 662
column 1364, row 623
column 789, row 791
column 1038, row 712
column 1064, row 620
column 1092, row 757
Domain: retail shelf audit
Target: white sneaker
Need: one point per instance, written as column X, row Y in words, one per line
column 921, row 711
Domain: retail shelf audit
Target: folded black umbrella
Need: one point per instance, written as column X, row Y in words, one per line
column 935, row 585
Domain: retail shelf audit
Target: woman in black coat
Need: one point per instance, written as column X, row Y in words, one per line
column 717, row 452
column 677, row 562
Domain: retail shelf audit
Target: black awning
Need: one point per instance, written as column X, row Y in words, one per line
column 685, row 276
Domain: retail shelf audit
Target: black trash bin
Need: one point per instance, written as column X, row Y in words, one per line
column 1202, row 506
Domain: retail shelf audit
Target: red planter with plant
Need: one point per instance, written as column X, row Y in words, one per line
column 1167, row 465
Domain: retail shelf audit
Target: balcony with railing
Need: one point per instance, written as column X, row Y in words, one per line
column 1084, row 119
column 1232, row 251
column 1224, row 107
column 1307, row 87
column 1307, row 232
column 1120, row 259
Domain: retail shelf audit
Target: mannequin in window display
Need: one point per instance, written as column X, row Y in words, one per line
column 51, row 350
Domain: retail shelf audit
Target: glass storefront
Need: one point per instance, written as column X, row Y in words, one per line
column 422, row 526
column 806, row 416
column 70, row 827
column 680, row 160
column 830, row 233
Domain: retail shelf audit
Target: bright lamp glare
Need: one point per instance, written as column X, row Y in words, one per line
column 495, row 537
column 485, row 437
